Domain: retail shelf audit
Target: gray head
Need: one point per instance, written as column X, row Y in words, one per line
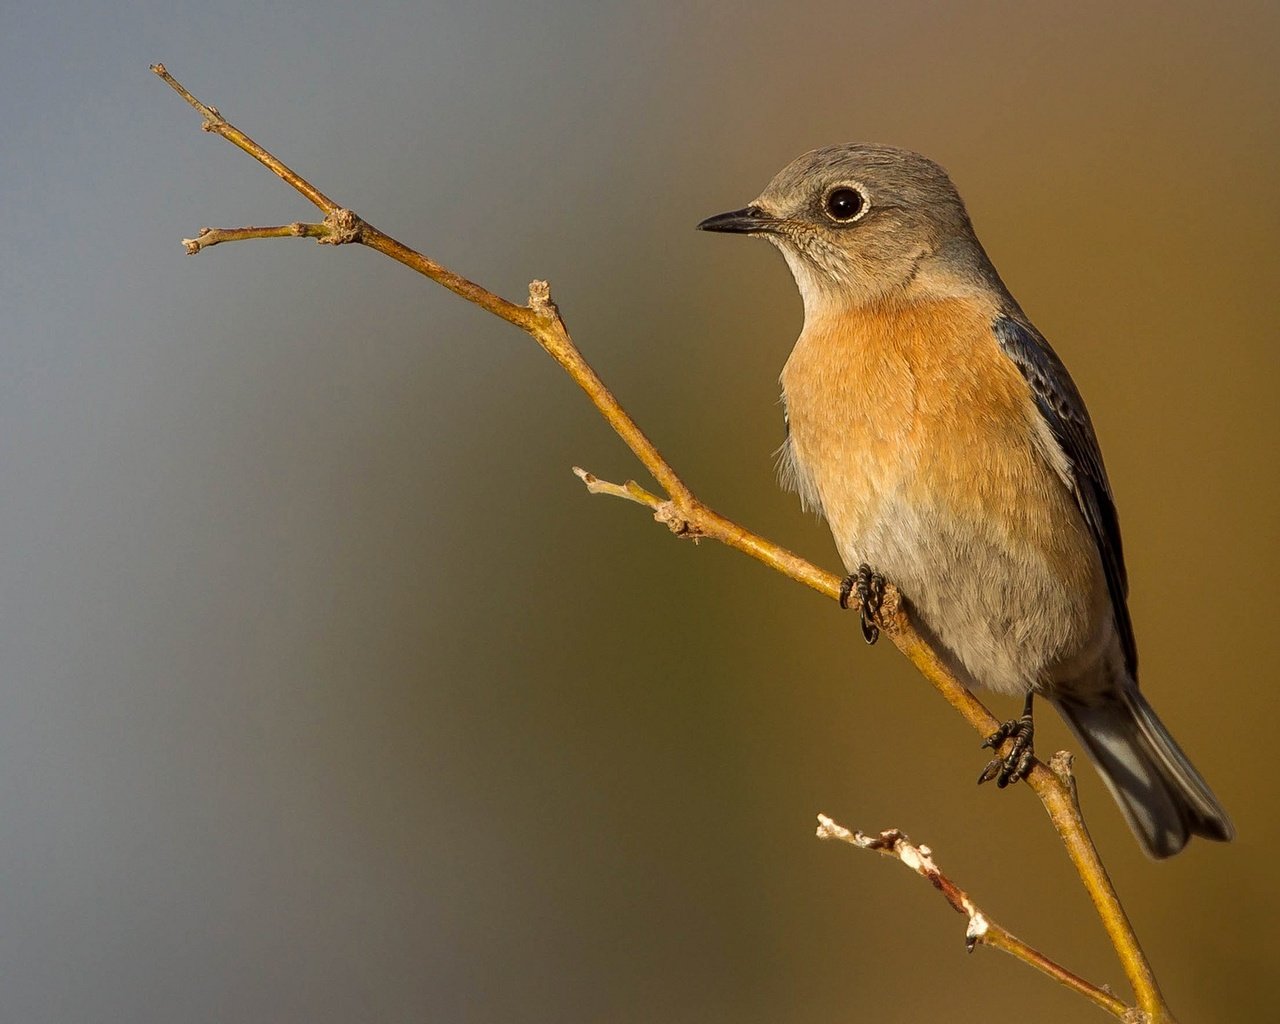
column 862, row 224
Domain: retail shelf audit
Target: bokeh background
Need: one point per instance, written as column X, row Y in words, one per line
column 329, row 695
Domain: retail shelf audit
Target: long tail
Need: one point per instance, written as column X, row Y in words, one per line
column 1161, row 794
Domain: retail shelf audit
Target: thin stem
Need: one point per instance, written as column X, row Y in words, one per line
column 630, row 490
column 219, row 125
column 206, row 238
column 476, row 294
column 982, row 930
column 687, row 516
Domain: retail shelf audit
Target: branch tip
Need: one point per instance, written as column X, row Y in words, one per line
column 541, row 304
column 1061, row 764
column 828, row 829
column 630, row 490
column 194, row 245
column 540, row 295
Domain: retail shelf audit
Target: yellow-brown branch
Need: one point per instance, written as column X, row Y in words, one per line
column 685, row 515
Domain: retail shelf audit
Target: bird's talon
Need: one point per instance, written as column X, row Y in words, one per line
column 870, row 631
column 1017, row 763
column 869, row 586
column 846, row 590
column 998, row 737
column 991, row 770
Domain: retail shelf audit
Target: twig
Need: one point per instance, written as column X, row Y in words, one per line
column 685, row 515
column 208, row 237
column 981, row 930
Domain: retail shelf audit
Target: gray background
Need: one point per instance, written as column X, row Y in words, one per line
column 326, row 694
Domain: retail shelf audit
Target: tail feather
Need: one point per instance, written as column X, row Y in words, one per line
column 1163, row 797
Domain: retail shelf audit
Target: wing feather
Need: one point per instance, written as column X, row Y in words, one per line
column 1059, row 402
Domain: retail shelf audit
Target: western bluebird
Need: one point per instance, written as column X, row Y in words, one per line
column 947, row 446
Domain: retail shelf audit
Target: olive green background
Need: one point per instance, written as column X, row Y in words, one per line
column 327, row 693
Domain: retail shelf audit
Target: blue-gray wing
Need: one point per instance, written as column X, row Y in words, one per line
column 1060, row 403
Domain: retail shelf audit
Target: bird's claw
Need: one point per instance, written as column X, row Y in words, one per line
column 869, row 586
column 1016, row 764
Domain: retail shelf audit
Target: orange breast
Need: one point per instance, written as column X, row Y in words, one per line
column 918, row 405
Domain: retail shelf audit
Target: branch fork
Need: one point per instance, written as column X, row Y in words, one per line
column 680, row 521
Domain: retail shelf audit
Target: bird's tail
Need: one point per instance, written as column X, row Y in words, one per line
column 1161, row 794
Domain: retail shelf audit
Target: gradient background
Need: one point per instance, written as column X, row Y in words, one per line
column 328, row 695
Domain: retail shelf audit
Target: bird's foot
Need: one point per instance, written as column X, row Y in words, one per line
column 868, row 585
column 1017, row 763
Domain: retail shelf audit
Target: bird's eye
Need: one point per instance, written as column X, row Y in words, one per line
column 845, row 204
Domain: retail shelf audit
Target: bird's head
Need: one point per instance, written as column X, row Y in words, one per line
column 864, row 224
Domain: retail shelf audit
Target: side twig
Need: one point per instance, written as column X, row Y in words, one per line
column 981, row 930
column 207, row 237
column 686, row 516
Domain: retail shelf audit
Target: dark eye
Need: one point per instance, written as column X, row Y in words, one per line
column 845, row 203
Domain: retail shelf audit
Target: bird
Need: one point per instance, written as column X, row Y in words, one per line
column 946, row 445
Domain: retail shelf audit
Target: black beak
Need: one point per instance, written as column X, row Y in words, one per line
column 746, row 221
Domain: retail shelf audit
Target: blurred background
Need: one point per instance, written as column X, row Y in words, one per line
column 328, row 694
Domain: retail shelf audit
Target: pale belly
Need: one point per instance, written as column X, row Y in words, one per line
column 1000, row 606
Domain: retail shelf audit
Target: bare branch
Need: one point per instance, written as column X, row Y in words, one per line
column 219, row 125
column 685, row 515
column 981, row 930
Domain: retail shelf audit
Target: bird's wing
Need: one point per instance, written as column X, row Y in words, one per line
column 1062, row 407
